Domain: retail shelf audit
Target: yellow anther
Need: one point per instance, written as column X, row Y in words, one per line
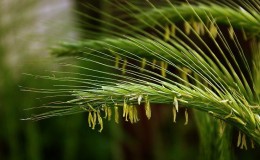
column 167, row 33
column 252, row 144
column 202, row 29
column 124, row 66
column 154, row 63
column 174, row 114
column 231, row 32
column 139, row 99
column 135, row 114
column 90, row 119
column 100, row 121
column 105, row 110
column 117, row 58
column 244, row 34
column 187, row 27
column 147, row 108
column 243, row 144
column 239, row 139
column 109, row 113
column 164, row 67
column 125, row 110
column 116, row 114
column 213, row 30
column 173, row 30
column 94, row 120
column 176, row 104
column 196, row 27
column 186, row 117
column 131, row 113
column 143, row 63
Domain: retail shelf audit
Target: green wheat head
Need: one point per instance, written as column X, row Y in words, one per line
column 161, row 56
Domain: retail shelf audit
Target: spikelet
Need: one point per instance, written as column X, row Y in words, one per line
column 124, row 67
column 187, row 27
column 143, row 63
column 186, row 117
column 167, row 33
column 147, row 108
column 100, row 121
column 116, row 114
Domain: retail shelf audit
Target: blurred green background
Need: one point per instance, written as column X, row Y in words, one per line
column 27, row 29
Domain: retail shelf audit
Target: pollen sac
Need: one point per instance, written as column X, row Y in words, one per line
column 116, row 114
column 90, row 119
column 105, row 109
column 239, row 139
column 143, row 63
column 139, row 99
column 131, row 113
column 176, row 104
column 174, row 114
column 173, row 30
column 167, row 33
column 94, row 120
column 187, row 27
column 196, row 27
column 136, row 119
column 213, row 30
column 147, row 108
column 231, row 32
column 244, row 34
column 124, row 67
column 243, row 144
column 164, row 67
column 154, row 63
column 100, row 121
column 186, row 117
column 117, row 59
column 109, row 113
column 252, row 144
column 125, row 110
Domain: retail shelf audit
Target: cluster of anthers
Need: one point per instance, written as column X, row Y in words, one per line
column 199, row 28
column 129, row 112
